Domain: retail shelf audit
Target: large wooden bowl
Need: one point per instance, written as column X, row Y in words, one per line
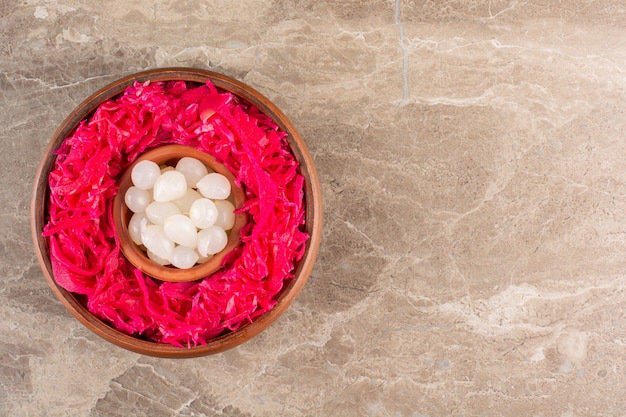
column 313, row 206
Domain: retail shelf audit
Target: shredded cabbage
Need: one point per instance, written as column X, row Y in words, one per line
column 84, row 246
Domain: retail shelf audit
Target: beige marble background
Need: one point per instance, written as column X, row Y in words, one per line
column 472, row 160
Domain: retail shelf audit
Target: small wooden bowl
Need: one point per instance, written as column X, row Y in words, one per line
column 313, row 221
column 170, row 155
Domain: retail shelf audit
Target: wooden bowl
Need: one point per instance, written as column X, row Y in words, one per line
column 169, row 155
column 313, row 222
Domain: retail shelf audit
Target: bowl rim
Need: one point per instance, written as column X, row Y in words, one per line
column 313, row 213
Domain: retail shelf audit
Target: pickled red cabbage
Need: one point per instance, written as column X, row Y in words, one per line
column 84, row 246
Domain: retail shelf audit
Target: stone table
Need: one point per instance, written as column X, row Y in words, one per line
column 471, row 155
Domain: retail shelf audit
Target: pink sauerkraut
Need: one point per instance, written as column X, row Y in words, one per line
column 84, row 246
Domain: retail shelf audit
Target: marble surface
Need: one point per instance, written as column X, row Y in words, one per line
column 471, row 155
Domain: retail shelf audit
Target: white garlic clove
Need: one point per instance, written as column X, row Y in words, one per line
column 181, row 230
column 158, row 259
column 203, row 213
column 170, row 186
column 144, row 174
column 184, row 203
column 158, row 211
column 155, row 240
column 184, row 257
column 211, row 240
column 214, row 186
column 225, row 214
column 136, row 199
column 192, row 169
column 135, row 225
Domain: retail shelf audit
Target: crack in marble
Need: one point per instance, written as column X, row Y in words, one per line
column 513, row 5
column 21, row 272
column 405, row 55
column 118, row 386
column 51, row 86
column 349, row 287
column 360, row 232
column 508, row 310
column 572, row 183
column 162, row 57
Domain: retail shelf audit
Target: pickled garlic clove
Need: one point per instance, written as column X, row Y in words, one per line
column 156, row 241
column 184, row 203
column 214, row 186
column 181, row 230
column 211, row 240
column 171, row 185
column 137, row 199
column 225, row 214
column 203, row 213
column 158, row 259
column 144, row 174
column 193, row 170
column 158, row 211
column 184, row 257
column 136, row 224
